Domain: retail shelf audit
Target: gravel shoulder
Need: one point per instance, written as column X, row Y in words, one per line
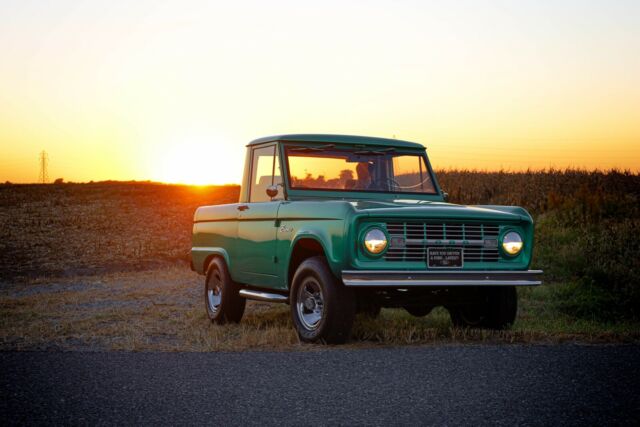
column 458, row 385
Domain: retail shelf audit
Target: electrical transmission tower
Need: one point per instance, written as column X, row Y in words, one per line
column 43, row 177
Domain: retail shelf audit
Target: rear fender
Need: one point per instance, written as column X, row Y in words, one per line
column 202, row 256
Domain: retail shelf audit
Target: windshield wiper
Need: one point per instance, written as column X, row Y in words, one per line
column 308, row 149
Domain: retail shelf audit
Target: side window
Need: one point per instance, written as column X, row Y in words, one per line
column 262, row 171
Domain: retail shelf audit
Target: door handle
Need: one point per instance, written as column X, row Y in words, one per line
column 242, row 207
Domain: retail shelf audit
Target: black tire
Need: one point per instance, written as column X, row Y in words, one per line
column 326, row 314
column 497, row 310
column 503, row 307
column 418, row 311
column 221, row 289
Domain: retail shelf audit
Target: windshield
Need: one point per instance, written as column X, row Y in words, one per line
column 358, row 169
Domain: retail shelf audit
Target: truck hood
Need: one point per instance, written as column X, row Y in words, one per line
column 407, row 208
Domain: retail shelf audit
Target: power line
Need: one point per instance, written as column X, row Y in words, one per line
column 43, row 177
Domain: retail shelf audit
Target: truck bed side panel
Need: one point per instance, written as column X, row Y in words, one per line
column 215, row 230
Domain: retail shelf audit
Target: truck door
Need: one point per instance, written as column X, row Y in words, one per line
column 256, row 244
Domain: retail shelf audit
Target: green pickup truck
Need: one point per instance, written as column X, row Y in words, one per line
column 336, row 224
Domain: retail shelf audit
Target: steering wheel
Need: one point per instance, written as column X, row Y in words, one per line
column 380, row 183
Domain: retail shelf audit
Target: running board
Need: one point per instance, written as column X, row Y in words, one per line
column 262, row 296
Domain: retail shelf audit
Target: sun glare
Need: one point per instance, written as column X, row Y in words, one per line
column 197, row 163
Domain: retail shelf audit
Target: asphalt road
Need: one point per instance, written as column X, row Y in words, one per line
column 469, row 385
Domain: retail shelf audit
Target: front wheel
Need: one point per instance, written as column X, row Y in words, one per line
column 323, row 309
column 496, row 309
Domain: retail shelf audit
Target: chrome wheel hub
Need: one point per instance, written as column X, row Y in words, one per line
column 310, row 304
column 214, row 292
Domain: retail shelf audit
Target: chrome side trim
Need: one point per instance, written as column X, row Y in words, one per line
column 262, row 296
column 401, row 279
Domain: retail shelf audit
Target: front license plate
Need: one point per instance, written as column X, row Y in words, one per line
column 444, row 257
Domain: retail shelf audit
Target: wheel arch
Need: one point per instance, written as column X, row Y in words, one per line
column 203, row 256
column 304, row 246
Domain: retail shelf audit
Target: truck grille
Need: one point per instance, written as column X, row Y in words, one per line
column 410, row 240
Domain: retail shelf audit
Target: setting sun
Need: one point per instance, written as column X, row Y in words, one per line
column 195, row 160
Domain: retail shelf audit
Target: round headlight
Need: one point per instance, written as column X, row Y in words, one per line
column 512, row 243
column 375, row 241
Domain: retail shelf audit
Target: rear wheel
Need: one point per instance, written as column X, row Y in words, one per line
column 323, row 309
column 222, row 301
column 496, row 310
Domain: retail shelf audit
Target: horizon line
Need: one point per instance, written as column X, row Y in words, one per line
column 550, row 170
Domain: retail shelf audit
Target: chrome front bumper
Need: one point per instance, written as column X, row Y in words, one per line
column 405, row 279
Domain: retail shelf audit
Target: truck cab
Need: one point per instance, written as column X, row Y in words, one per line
column 339, row 224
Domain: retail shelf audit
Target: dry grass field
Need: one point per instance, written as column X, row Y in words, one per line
column 163, row 310
column 103, row 266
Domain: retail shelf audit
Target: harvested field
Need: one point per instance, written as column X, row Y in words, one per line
column 69, row 229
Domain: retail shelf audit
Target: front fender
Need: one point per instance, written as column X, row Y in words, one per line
column 327, row 241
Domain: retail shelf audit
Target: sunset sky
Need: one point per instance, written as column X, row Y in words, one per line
column 173, row 90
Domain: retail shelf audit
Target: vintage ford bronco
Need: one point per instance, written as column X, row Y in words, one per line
column 335, row 225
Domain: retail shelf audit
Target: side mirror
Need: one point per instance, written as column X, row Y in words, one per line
column 272, row 191
column 445, row 195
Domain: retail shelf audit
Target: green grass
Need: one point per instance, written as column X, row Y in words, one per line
column 539, row 320
column 599, row 264
column 541, row 312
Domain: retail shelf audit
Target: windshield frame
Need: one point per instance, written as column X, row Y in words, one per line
column 357, row 193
